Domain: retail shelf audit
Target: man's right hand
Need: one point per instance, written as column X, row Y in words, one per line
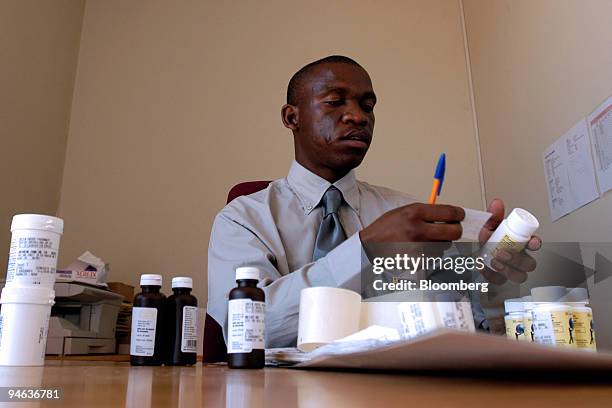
column 416, row 223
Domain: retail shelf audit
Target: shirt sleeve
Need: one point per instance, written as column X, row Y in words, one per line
column 233, row 245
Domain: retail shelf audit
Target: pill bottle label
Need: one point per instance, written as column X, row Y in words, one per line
column 245, row 325
column 529, row 329
column 515, row 328
column 554, row 328
column 32, row 258
column 189, row 331
column 584, row 330
column 509, row 244
column 144, row 322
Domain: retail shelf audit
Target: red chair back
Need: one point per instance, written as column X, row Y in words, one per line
column 215, row 350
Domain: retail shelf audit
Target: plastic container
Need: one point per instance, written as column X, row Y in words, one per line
column 515, row 324
column 34, row 250
column 24, row 323
column 512, row 234
column 553, row 323
column 246, row 321
column 528, row 304
column 584, row 328
column 181, row 323
column 147, row 346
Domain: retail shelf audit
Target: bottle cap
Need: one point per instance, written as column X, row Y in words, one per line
column 182, row 282
column 548, row 294
column 528, row 303
column 148, row 279
column 522, row 222
column 514, row 305
column 247, row 272
column 577, row 295
column 37, row 222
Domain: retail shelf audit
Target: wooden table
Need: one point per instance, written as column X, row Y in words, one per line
column 113, row 384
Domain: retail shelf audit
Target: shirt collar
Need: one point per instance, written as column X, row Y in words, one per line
column 309, row 188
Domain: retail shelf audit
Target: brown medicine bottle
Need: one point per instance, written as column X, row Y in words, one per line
column 245, row 321
column 181, row 323
column 146, row 344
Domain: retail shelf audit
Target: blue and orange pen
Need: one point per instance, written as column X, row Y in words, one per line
column 438, row 179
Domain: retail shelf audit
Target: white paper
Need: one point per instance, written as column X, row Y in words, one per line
column 374, row 332
column 569, row 172
column 455, row 350
column 77, row 270
column 600, row 123
column 326, row 314
column 473, row 222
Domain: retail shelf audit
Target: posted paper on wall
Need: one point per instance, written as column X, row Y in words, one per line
column 600, row 123
column 569, row 172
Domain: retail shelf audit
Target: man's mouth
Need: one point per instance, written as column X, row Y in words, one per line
column 356, row 138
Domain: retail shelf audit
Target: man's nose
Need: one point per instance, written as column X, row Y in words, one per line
column 355, row 114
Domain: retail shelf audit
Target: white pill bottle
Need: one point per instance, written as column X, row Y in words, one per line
column 553, row 322
column 584, row 329
column 528, row 305
column 512, row 234
column 514, row 321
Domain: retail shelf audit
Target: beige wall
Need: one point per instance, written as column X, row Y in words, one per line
column 38, row 49
column 175, row 103
column 538, row 67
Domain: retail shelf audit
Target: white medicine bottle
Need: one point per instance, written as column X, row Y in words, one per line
column 512, row 234
column 553, row 322
column 582, row 315
column 515, row 324
column 528, row 305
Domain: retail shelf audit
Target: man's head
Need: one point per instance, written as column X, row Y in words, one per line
column 330, row 109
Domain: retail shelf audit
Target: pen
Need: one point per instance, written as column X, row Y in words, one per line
column 438, row 179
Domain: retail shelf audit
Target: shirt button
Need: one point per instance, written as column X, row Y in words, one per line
column 309, row 207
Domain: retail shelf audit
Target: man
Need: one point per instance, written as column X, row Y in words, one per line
column 310, row 228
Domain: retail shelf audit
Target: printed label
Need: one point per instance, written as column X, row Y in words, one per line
column 509, row 244
column 144, row 322
column 189, row 333
column 554, row 328
column 584, row 330
column 528, row 324
column 32, row 259
column 515, row 328
column 245, row 326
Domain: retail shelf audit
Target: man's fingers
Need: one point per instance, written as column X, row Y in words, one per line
column 441, row 213
column 496, row 207
column 494, row 277
column 535, row 243
column 442, row 232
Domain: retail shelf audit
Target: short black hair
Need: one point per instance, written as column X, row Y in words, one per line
column 296, row 80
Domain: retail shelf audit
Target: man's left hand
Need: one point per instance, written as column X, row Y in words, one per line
column 508, row 264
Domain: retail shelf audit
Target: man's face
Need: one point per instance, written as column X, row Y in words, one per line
column 336, row 118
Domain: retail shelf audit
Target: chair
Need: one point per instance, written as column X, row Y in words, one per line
column 215, row 350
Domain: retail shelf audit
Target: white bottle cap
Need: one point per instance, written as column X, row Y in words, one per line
column 37, row 222
column 577, row 295
column 514, row 305
column 522, row 222
column 528, row 303
column 247, row 272
column 150, row 280
column 548, row 294
column 182, row 282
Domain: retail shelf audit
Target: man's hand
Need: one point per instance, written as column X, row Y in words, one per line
column 508, row 264
column 416, row 223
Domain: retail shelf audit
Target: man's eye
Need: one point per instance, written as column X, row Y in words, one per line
column 368, row 108
column 335, row 102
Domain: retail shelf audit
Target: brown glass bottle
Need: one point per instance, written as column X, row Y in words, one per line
column 246, row 311
column 182, row 314
column 146, row 345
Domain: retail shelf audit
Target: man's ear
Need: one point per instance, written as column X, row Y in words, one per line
column 290, row 114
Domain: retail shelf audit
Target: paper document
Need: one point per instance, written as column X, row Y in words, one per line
column 600, row 123
column 462, row 351
column 569, row 172
column 473, row 222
